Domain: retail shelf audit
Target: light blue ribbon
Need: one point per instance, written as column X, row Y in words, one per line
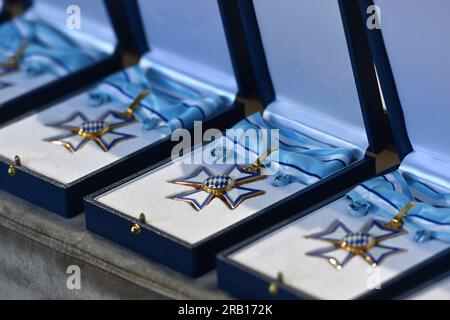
column 170, row 104
column 298, row 158
column 48, row 50
column 386, row 195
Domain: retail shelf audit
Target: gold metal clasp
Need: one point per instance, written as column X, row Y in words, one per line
column 13, row 62
column 129, row 113
column 274, row 285
column 11, row 170
column 136, row 229
column 258, row 165
column 12, row 167
column 397, row 223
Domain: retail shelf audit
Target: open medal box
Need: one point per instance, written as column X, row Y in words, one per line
column 54, row 48
column 63, row 152
column 374, row 247
column 321, row 86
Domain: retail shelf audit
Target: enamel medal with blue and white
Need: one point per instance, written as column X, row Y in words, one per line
column 226, row 186
column 102, row 131
column 366, row 243
column 82, row 130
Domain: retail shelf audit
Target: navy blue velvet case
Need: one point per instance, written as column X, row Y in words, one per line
column 196, row 260
column 6, row 6
column 67, row 199
column 67, row 84
column 388, row 86
column 246, row 283
column 375, row 120
column 4, row 14
column 432, row 270
column 233, row 28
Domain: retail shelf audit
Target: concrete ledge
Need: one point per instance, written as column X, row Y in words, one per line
column 36, row 248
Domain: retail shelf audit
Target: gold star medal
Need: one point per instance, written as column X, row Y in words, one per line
column 366, row 243
column 227, row 186
column 102, row 131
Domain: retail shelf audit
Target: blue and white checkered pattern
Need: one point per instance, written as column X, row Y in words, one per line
column 93, row 126
column 358, row 240
column 365, row 243
column 225, row 186
column 218, row 182
column 101, row 130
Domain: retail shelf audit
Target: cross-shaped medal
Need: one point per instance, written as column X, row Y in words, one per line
column 365, row 243
column 102, row 131
column 227, row 186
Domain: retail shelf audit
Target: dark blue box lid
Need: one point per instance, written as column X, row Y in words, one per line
column 412, row 63
column 100, row 27
column 201, row 39
column 313, row 64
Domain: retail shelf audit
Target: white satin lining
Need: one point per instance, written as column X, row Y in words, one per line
column 311, row 70
column 351, row 137
column 188, row 36
column 418, row 57
column 96, row 29
column 286, row 248
column 206, row 88
column 430, row 170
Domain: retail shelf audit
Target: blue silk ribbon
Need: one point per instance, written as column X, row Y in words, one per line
column 386, row 195
column 48, row 50
column 298, row 158
column 171, row 104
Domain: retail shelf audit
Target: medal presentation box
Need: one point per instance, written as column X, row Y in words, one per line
column 52, row 177
column 98, row 32
column 317, row 84
column 294, row 260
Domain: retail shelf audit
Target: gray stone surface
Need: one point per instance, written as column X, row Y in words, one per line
column 37, row 247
